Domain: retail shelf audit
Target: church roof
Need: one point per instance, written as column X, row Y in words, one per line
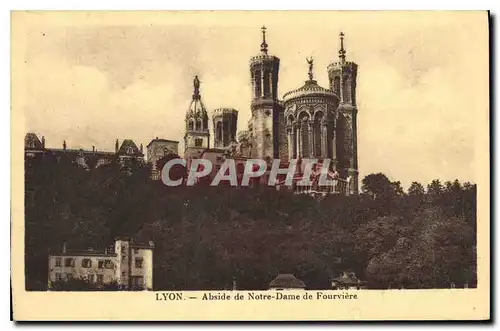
column 196, row 106
column 129, row 147
column 286, row 281
column 310, row 88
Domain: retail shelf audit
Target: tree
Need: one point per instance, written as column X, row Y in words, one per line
column 377, row 185
column 416, row 190
column 435, row 190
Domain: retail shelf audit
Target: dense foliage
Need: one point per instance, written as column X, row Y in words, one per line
column 205, row 237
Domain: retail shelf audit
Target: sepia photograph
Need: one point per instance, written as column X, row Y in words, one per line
column 252, row 156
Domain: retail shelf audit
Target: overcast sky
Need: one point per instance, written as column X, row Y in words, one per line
column 422, row 82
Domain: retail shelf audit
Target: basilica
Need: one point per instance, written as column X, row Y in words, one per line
column 309, row 122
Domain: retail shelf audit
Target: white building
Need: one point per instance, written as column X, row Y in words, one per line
column 127, row 263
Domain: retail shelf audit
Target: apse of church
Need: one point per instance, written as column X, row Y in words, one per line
column 309, row 122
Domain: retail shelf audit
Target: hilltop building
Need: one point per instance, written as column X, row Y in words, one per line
column 309, row 122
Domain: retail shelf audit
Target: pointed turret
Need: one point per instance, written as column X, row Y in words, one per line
column 343, row 79
column 266, row 109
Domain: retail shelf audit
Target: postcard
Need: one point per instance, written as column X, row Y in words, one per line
column 250, row 165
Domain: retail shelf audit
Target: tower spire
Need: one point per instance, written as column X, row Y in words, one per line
column 342, row 51
column 196, row 85
column 263, row 46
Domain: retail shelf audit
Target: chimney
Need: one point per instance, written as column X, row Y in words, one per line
column 116, row 146
column 64, row 144
column 64, row 248
column 141, row 148
column 93, row 148
column 43, row 141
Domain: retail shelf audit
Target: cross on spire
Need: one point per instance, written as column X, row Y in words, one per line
column 263, row 46
column 342, row 51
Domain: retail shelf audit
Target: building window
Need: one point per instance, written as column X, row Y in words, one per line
column 69, row 262
column 58, row 261
column 58, row 276
column 91, row 278
column 124, row 257
column 69, row 276
column 136, row 250
column 138, row 282
column 100, row 279
column 87, row 263
column 124, row 249
column 130, row 150
column 108, row 264
column 100, row 264
column 123, row 273
column 198, row 142
column 138, row 262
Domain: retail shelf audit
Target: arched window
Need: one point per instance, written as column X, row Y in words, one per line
column 198, row 125
column 258, row 84
column 304, row 137
column 267, row 84
column 346, row 89
column 317, row 134
column 341, row 133
column 336, row 85
column 130, row 150
column 218, row 131
column 191, row 125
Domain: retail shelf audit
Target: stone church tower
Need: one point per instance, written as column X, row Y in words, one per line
column 342, row 76
column 225, row 125
column 197, row 137
column 266, row 125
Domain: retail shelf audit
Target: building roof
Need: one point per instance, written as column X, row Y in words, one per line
column 286, row 281
column 196, row 107
column 129, row 147
column 31, row 141
column 310, row 88
column 347, row 278
column 161, row 140
column 224, row 111
column 85, row 252
column 213, row 150
column 58, row 151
